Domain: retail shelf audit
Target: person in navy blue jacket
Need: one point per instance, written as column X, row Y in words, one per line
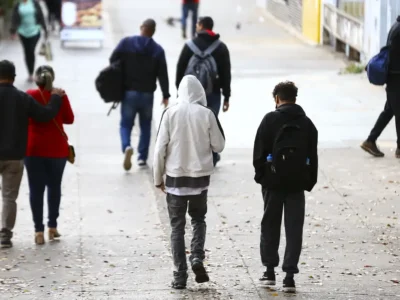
column 142, row 61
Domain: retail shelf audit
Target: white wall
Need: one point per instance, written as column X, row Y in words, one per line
column 372, row 28
column 261, row 3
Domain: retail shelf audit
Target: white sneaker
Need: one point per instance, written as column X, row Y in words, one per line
column 128, row 158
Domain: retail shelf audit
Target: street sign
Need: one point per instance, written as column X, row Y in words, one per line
column 82, row 20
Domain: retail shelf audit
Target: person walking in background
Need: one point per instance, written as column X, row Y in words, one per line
column 217, row 69
column 46, row 156
column 189, row 6
column 188, row 166
column 53, row 12
column 28, row 20
column 142, row 61
column 392, row 105
column 16, row 108
column 285, row 161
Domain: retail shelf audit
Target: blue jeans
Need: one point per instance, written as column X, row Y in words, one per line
column 214, row 102
column 142, row 104
column 186, row 8
column 45, row 172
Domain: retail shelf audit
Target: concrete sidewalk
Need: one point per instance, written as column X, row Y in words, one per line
column 115, row 227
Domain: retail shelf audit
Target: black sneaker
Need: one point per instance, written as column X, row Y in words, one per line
column 184, row 36
column 142, row 163
column 199, row 271
column 372, row 149
column 5, row 238
column 268, row 278
column 288, row 285
column 180, row 280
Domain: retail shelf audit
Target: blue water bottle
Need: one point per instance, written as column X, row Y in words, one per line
column 269, row 158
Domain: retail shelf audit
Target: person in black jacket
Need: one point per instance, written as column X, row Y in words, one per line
column 392, row 105
column 27, row 21
column 284, row 195
column 142, row 61
column 205, row 37
column 16, row 108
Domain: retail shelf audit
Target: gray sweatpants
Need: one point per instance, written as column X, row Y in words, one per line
column 197, row 208
column 11, row 172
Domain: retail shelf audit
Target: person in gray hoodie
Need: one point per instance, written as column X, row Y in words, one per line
column 189, row 133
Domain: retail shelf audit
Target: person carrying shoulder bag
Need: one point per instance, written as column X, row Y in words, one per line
column 47, row 153
column 27, row 21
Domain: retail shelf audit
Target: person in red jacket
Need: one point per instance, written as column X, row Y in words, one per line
column 46, row 156
column 193, row 7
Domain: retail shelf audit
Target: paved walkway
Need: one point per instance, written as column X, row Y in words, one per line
column 115, row 227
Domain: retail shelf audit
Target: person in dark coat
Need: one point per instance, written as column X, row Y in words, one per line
column 287, row 196
column 206, row 37
column 143, row 62
column 392, row 105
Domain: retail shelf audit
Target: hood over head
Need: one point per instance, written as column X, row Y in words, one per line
column 191, row 91
column 398, row 19
column 291, row 109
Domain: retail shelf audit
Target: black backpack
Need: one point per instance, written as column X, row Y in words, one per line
column 203, row 66
column 110, row 84
column 289, row 169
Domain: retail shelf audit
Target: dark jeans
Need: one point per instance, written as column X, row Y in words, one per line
column 214, row 102
column 294, row 205
column 29, row 45
column 45, row 172
column 186, row 8
column 142, row 104
column 177, row 207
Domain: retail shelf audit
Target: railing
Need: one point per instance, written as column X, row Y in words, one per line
column 343, row 27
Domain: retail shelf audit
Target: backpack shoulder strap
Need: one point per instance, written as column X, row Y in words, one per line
column 192, row 46
column 285, row 125
column 212, row 47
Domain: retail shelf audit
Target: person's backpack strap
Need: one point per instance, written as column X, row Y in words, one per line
column 212, row 47
column 206, row 52
column 192, row 46
column 285, row 125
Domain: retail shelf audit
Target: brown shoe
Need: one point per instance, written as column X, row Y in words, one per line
column 397, row 153
column 372, row 149
column 53, row 234
column 39, row 238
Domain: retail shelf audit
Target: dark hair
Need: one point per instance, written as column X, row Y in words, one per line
column 286, row 91
column 7, row 70
column 150, row 26
column 45, row 77
column 207, row 23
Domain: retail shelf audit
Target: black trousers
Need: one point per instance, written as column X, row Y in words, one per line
column 54, row 10
column 29, row 45
column 392, row 108
column 383, row 120
column 293, row 205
